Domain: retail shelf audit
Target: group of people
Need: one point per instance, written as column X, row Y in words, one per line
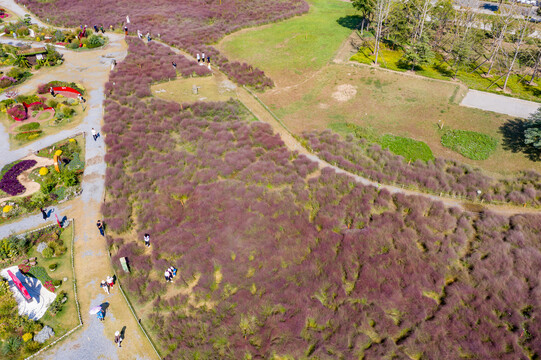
column 170, row 273
column 97, row 30
column 201, row 59
column 140, row 35
column 108, row 284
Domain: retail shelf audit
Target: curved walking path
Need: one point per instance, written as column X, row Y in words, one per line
column 91, row 68
column 95, row 340
column 255, row 105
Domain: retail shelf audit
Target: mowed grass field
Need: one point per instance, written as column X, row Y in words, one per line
column 291, row 50
column 389, row 102
column 395, row 104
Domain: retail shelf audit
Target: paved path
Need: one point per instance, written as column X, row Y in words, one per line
column 499, row 103
column 92, row 264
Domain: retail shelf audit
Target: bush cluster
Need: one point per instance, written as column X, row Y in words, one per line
column 438, row 176
column 191, row 24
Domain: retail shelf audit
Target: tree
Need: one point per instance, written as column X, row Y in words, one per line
column 365, row 7
column 524, row 28
column 419, row 53
column 381, row 12
column 532, row 131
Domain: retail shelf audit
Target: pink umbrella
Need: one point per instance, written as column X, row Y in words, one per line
column 95, row 310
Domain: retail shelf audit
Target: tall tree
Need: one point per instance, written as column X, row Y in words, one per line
column 381, row 12
column 419, row 53
column 523, row 29
column 366, row 8
column 499, row 30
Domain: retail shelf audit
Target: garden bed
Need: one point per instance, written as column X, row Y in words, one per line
column 48, row 186
column 44, row 114
column 61, row 315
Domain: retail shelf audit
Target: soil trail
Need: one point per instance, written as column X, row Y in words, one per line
column 261, row 111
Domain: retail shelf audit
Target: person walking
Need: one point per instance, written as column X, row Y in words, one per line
column 126, row 30
column 208, row 59
column 175, row 66
column 110, row 282
column 43, row 213
column 95, row 134
column 102, row 29
column 118, row 338
column 104, row 286
column 99, row 224
column 96, row 29
column 51, row 90
column 147, row 240
column 198, row 58
column 113, row 64
column 101, row 315
column 203, row 57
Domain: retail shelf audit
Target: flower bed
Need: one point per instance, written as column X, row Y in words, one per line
column 9, row 182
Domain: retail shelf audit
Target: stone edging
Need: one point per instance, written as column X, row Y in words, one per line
column 74, row 291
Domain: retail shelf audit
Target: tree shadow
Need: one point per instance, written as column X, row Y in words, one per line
column 513, row 139
column 351, row 21
column 491, row 7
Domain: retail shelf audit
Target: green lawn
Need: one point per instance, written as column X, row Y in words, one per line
column 438, row 69
column 286, row 50
column 409, row 148
column 471, row 144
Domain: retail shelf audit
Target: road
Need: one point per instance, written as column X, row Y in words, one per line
column 499, row 104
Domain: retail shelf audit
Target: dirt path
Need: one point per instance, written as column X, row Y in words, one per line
column 263, row 113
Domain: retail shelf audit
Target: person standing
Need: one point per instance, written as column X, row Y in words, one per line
column 99, row 224
column 104, row 286
column 203, row 57
column 167, row 276
column 43, row 213
column 208, row 59
column 110, row 282
column 147, row 240
column 175, row 66
column 118, row 338
column 198, row 58
column 126, row 30
column 51, row 90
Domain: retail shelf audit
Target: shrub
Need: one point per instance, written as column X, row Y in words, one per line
column 58, row 303
column 53, row 266
column 470, row 144
column 29, row 126
column 47, row 252
column 43, row 171
column 67, row 111
column 17, row 112
column 24, row 268
column 27, row 337
column 410, row 149
column 95, row 41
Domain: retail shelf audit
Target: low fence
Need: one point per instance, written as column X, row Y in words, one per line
column 72, row 221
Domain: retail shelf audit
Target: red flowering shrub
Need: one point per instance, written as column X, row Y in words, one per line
column 49, row 286
column 24, row 268
column 17, row 112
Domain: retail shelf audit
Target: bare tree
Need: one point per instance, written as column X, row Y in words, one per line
column 381, row 12
column 536, row 66
column 523, row 29
column 423, row 7
column 504, row 21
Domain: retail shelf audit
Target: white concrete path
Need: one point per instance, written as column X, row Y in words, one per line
column 499, row 103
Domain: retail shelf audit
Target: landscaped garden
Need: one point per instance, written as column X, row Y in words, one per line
column 71, row 39
column 29, row 117
column 43, row 255
column 56, row 180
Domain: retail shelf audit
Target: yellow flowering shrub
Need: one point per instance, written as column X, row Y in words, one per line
column 43, row 171
column 7, row 208
column 58, row 152
column 72, row 140
column 27, row 337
